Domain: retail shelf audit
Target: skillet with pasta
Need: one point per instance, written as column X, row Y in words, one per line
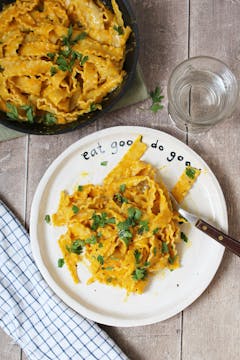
column 59, row 59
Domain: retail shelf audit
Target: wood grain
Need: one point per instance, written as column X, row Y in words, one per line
column 211, row 326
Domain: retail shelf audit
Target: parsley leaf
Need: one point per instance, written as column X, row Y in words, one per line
column 156, row 99
column 190, row 172
column 79, row 37
column 184, row 237
column 93, row 107
column 92, row 240
column 171, row 259
column 155, row 231
column 51, row 56
column 75, row 209
column 29, row 112
column 104, row 163
column 13, row 111
column 118, row 29
column 122, row 188
column 80, row 188
column 134, row 213
column 143, row 227
column 155, row 107
column 83, row 60
column 60, row 262
column 49, row 118
column 76, row 247
column 62, row 63
column 48, row 219
column 139, row 273
column 137, row 255
column 165, row 249
column 101, row 220
column 100, row 259
column 53, row 70
column 120, row 199
column 126, row 236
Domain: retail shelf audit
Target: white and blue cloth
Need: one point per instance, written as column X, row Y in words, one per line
column 30, row 312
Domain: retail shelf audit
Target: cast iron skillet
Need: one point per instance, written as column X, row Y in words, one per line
column 108, row 102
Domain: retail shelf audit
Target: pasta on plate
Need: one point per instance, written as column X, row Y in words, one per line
column 59, row 58
column 124, row 230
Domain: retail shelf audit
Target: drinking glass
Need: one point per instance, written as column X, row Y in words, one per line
column 202, row 91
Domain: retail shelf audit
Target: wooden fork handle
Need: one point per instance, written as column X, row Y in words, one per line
column 230, row 243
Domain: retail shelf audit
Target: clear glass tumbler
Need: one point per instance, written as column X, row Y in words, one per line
column 202, row 91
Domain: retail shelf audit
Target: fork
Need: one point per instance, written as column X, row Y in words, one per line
column 224, row 239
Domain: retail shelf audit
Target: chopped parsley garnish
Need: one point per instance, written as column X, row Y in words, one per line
column 51, row 56
column 156, row 99
column 12, row 111
column 76, row 247
column 100, row 259
column 118, row 29
column 47, row 219
column 143, row 227
column 66, row 57
column 126, row 236
column 49, row 119
column 184, row 237
column 120, row 199
column 83, row 60
column 122, row 188
column 125, row 225
column 139, row 273
column 100, row 245
column 80, row 188
column 29, row 112
column 137, row 255
column 154, row 251
column 92, row 240
column 101, row 220
column 62, row 63
column 171, row 259
column 165, row 249
column 68, row 41
column 93, row 107
column 53, row 70
column 134, row 213
column 155, row 231
column 60, row 262
column 1, row 68
column 190, row 172
column 104, row 163
column 75, row 209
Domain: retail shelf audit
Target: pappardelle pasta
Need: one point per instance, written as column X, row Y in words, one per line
column 59, row 58
column 124, row 230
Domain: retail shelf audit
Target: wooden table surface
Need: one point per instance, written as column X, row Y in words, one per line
column 170, row 31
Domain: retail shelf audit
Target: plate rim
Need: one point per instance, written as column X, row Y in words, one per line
column 36, row 252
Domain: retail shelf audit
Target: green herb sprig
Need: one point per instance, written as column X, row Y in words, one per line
column 156, row 99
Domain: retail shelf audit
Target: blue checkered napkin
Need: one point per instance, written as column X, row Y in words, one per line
column 33, row 315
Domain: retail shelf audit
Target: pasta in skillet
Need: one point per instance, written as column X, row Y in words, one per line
column 126, row 229
column 59, row 58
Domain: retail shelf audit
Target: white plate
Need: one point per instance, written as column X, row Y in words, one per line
column 169, row 292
